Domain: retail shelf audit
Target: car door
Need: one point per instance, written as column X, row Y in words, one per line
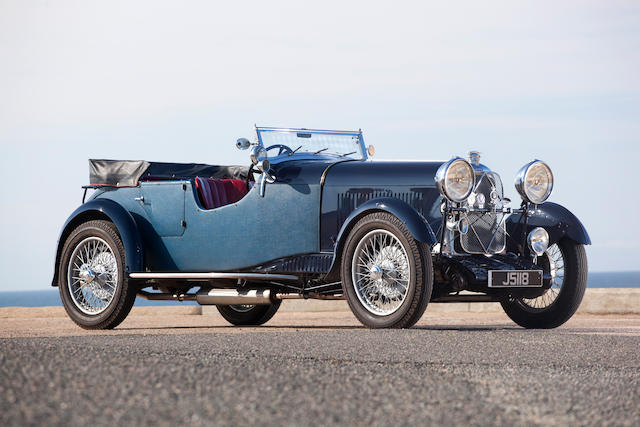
column 163, row 204
column 257, row 229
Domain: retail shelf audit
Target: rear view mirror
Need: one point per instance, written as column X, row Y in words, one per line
column 371, row 151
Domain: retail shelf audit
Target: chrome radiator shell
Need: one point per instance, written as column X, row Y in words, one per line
column 487, row 229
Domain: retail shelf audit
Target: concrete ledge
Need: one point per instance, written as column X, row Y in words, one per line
column 611, row 301
column 596, row 301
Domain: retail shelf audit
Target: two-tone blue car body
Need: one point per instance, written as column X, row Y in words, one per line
column 313, row 217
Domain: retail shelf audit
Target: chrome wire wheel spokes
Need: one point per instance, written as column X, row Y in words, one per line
column 554, row 261
column 92, row 275
column 380, row 272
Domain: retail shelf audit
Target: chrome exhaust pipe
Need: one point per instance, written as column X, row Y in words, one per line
column 252, row 296
column 234, row 297
column 156, row 296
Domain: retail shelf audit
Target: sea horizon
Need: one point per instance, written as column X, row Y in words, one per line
column 50, row 297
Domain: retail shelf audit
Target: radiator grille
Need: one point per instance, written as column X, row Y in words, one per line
column 487, row 234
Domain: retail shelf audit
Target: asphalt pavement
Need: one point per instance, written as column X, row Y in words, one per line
column 325, row 370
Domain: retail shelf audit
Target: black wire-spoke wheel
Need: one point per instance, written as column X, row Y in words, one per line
column 566, row 262
column 93, row 285
column 248, row 315
column 387, row 276
column 552, row 262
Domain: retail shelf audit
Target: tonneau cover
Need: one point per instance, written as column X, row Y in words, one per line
column 127, row 173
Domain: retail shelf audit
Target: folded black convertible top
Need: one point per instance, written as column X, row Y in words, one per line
column 127, row 173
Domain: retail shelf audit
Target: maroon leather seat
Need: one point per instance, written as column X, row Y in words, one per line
column 235, row 189
column 214, row 193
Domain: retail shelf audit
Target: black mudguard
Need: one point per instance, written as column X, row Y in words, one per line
column 124, row 222
column 556, row 219
column 415, row 223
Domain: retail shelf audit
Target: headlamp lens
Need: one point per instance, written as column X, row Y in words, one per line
column 455, row 180
column 535, row 182
column 538, row 240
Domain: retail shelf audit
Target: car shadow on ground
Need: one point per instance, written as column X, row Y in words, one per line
column 232, row 327
column 465, row 328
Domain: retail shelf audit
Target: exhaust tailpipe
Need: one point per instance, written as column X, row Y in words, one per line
column 234, row 297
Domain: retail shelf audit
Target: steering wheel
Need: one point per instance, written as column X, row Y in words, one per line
column 283, row 149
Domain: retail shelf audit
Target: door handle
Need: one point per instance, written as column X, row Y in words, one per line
column 140, row 199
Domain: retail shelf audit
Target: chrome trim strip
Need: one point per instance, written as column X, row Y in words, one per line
column 336, row 132
column 214, row 275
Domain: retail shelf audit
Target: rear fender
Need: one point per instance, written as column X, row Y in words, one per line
column 111, row 211
column 556, row 219
column 415, row 223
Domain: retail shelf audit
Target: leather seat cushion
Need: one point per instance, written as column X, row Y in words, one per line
column 214, row 193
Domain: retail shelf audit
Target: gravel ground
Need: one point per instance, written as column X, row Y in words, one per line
column 492, row 374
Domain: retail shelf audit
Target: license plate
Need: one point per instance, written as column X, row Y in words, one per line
column 515, row 278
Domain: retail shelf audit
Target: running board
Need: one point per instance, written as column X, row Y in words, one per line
column 253, row 277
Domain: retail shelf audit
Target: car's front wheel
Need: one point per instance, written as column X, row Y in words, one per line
column 93, row 285
column 387, row 276
column 248, row 315
column 566, row 261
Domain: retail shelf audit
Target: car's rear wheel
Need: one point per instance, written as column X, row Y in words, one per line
column 567, row 263
column 248, row 315
column 93, row 285
column 387, row 276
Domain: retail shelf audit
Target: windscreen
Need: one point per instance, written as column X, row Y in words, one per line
column 347, row 144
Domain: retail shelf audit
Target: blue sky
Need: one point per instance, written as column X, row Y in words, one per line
column 180, row 81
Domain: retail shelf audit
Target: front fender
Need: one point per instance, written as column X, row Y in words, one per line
column 556, row 219
column 415, row 223
column 121, row 218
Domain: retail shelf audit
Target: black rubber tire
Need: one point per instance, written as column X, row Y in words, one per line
column 258, row 315
column 124, row 296
column 567, row 301
column 420, row 263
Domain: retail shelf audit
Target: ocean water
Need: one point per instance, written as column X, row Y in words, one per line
column 50, row 296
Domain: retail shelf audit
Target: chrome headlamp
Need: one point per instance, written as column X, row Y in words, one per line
column 455, row 179
column 534, row 182
column 538, row 240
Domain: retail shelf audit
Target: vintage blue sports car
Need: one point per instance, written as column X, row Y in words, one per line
column 313, row 217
